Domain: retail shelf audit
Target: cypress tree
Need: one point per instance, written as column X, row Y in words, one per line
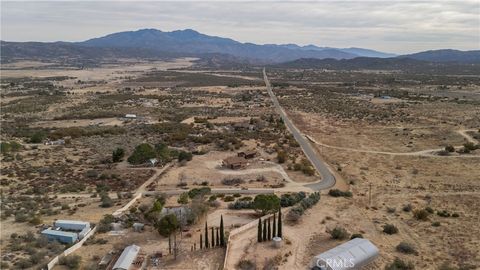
column 279, row 223
column 269, row 230
column 222, row 232
column 206, row 235
column 217, row 242
column 264, row 230
column 201, row 241
column 274, row 233
column 259, row 232
column 213, row 238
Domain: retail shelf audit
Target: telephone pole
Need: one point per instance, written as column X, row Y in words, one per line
column 369, row 193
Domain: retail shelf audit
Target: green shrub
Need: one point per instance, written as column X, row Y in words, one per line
column 443, row 213
column 183, row 198
column 398, row 264
column 106, row 201
column 390, row 229
column 356, row 235
column 436, row 224
column 339, row 193
column 391, row 210
column 246, row 265
column 71, row 262
column 12, row 146
column 339, row 233
column 406, row 248
column 167, row 225
column 291, row 199
column 266, row 203
column 421, row 214
column 37, row 137
column 118, row 154
column 407, row 208
column 142, row 153
column 449, row 148
column 281, row 156
column 199, row 192
column 182, row 155
column 228, row 199
column 470, row 146
column 240, row 205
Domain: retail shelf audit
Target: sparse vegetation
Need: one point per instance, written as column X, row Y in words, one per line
column 339, row 193
column 390, row 229
column 339, row 233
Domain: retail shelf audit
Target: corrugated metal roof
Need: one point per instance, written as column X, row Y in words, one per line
column 127, row 257
column 59, row 233
column 76, row 222
column 353, row 254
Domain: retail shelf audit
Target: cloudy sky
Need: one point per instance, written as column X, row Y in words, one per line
column 392, row 26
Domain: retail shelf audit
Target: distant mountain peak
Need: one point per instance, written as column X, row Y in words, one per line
column 188, row 42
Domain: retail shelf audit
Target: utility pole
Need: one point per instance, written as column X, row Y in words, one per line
column 369, row 193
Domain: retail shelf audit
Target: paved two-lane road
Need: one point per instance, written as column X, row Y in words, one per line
column 328, row 179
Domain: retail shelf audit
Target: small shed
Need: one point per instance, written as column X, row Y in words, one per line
column 60, row 236
column 127, row 257
column 138, row 227
column 235, row 162
column 353, row 254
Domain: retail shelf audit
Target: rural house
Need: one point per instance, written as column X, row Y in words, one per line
column 247, row 154
column 235, row 162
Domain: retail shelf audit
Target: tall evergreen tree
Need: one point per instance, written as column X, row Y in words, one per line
column 206, row 235
column 279, row 223
column 217, row 241
column 259, row 232
column 201, row 241
column 269, row 230
column 264, row 230
column 274, row 228
column 222, row 232
column 213, row 238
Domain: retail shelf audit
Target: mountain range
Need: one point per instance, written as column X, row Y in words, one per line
column 153, row 43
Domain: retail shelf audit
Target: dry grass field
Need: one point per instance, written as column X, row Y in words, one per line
column 384, row 138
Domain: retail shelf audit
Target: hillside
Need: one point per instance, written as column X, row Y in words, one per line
column 446, row 55
column 390, row 64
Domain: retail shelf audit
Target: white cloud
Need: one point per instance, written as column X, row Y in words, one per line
column 401, row 26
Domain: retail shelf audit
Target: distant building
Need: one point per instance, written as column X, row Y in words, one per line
column 60, row 236
column 235, row 162
column 127, row 257
column 152, row 162
column 138, row 227
column 81, row 228
column 105, row 260
column 57, row 142
column 130, row 116
column 247, row 154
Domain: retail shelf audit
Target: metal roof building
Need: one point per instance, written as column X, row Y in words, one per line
column 353, row 254
column 60, row 236
column 126, row 258
column 71, row 225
